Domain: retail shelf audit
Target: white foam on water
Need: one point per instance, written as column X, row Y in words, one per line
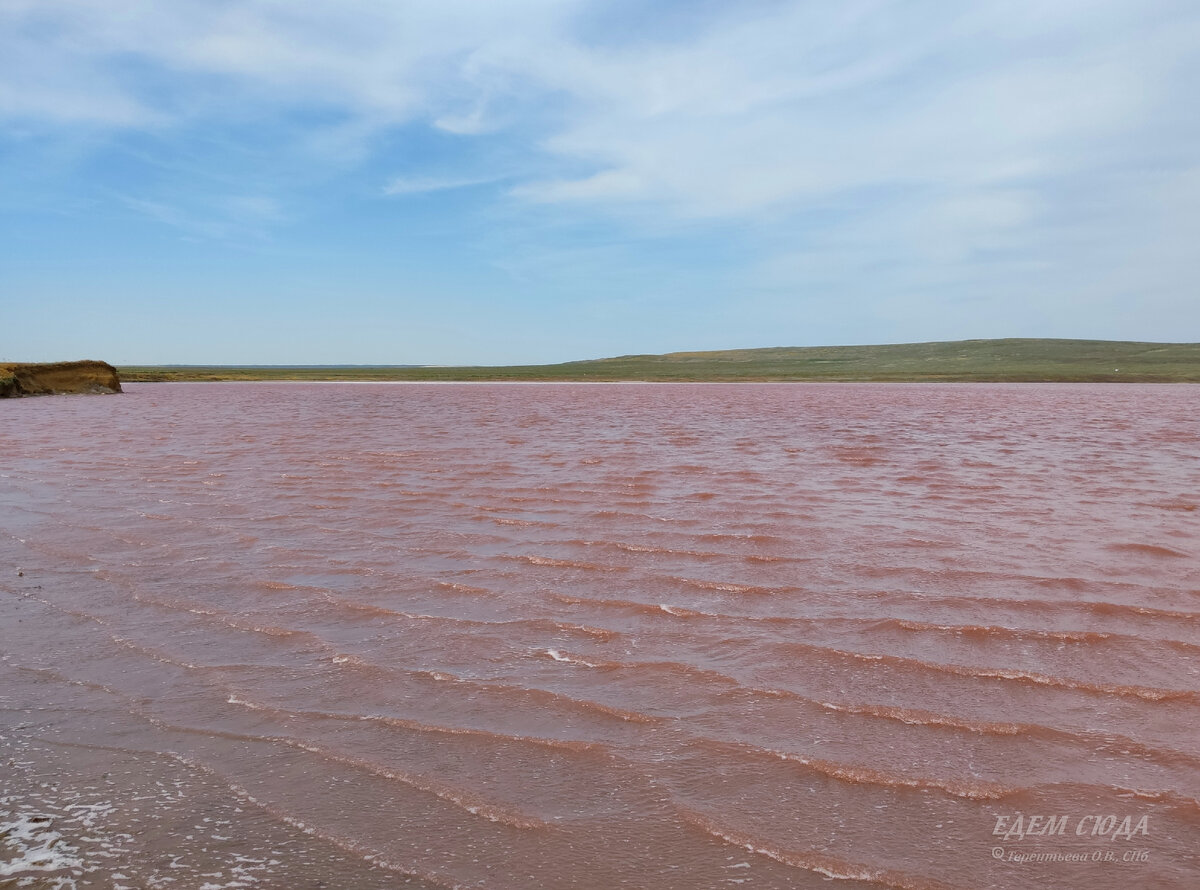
column 567, row 659
column 39, row 848
column 234, row 700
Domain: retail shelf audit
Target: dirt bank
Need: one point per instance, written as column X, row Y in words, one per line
column 57, row 377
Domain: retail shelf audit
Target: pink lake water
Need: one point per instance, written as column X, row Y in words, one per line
column 608, row 636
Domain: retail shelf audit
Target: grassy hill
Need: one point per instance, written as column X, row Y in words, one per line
column 1024, row 360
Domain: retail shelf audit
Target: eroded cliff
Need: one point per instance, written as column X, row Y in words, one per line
column 57, row 377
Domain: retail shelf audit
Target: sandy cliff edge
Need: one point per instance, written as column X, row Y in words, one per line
column 57, row 377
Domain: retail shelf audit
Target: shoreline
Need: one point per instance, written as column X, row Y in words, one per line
column 553, row 381
column 960, row 361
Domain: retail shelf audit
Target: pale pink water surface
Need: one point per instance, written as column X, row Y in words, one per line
column 571, row 636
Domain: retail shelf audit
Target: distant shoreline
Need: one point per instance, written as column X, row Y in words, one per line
column 561, row 382
column 962, row 361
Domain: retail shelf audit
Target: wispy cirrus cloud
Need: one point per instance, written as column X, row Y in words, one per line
column 222, row 217
column 784, row 103
column 419, row 185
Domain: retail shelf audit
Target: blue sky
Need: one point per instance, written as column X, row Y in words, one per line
column 359, row 181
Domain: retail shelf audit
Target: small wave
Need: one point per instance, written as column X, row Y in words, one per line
column 1086, row 790
column 380, row 611
column 1037, row 607
column 1155, row 550
column 1146, row 693
column 558, row 627
column 564, row 563
column 1124, row 609
column 680, row 612
column 984, row 631
column 354, row 848
column 1020, row 633
column 1012, row 674
column 154, row 654
column 818, row 863
column 615, row 604
column 858, row 774
column 543, row 696
column 568, row 659
column 914, row 717
column 600, row 633
column 235, row 699
column 276, row 585
column 724, row 586
column 1159, row 796
column 471, row 803
column 1183, row 506
column 231, row 621
column 576, row 745
column 656, row 550
column 743, row 537
column 464, row 588
column 460, row 798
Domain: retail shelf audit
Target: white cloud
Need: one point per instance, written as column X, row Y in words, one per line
column 388, row 61
column 875, row 144
column 417, row 185
column 789, row 102
column 216, row 217
column 797, row 106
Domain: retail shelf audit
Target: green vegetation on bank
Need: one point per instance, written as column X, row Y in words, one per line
column 1018, row 360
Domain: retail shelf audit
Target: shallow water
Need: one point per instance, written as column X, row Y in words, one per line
column 570, row 636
